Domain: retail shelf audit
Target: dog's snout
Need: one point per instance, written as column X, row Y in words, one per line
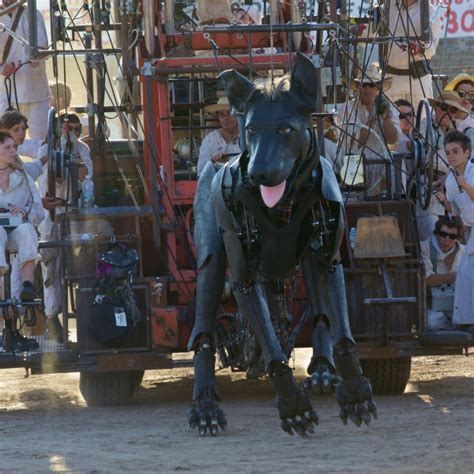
column 258, row 176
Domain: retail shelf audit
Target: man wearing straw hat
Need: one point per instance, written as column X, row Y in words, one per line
column 372, row 108
column 373, row 122
column 249, row 15
column 223, row 143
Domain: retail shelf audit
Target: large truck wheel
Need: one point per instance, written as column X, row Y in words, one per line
column 387, row 376
column 137, row 378
column 103, row 389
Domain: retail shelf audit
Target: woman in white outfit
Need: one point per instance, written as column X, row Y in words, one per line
column 19, row 196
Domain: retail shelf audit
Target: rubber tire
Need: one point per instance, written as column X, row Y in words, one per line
column 137, row 378
column 107, row 389
column 387, row 376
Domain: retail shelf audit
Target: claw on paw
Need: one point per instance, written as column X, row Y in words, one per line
column 321, row 381
column 207, row 417
column 355, row 400
column 294, row 407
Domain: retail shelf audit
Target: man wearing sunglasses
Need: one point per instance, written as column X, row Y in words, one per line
column 442, row 254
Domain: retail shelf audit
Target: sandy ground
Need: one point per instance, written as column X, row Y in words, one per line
column 45, row 426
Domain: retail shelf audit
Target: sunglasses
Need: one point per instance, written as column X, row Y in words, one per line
column 405, row 115
column 369, row 84
column 448, row 108
column 73, row 128
column 469, row 94
column 444, row 234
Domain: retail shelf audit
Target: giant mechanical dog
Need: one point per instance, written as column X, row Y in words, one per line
column 275, row 206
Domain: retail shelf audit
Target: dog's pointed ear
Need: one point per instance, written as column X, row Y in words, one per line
column 237, row 87
column 304, row 87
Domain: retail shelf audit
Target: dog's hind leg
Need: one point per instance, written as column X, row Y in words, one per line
column 205, row 414
column 294, row 407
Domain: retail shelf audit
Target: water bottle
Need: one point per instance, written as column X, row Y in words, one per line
column 88, row 192
column 352, row 237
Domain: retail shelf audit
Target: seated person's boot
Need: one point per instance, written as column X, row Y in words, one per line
column 54, row 329
column 27, row 291
column 21, row 343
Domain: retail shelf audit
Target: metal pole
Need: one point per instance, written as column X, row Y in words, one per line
column 295, row 19
column 425, row 20
column 275, row 13
column 10, row 8
column 169, row 17
column 149, row 16
column 90, row 85
column 33, row 33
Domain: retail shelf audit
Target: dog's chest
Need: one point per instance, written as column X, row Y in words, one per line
column 273, row 241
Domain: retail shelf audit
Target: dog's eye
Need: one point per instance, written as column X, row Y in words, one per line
column 251, row 129
column 284, row 130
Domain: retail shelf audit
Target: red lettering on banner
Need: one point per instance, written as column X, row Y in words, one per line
column 467, row 21
column 453, row 22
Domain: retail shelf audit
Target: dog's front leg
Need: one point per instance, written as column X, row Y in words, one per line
column 294, row 407
column 327, row 293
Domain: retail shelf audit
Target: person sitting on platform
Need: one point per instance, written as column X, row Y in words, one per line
column 222, row 144
column 442, row 254
column 71, row 131
column 459, row 201
column 60, row 98
column 16, row 124
column 374, row 123
column 51, row 262
column 249, row 15
column 446, row 108
column 19, row 197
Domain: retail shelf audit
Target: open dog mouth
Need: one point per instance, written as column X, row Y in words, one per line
column 272, row 194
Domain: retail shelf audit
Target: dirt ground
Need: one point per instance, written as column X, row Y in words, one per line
column 45, row 426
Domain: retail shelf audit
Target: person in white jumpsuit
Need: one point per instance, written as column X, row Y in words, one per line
column 221, row 144
column 442, row 254
column 368, row 124
column 446, row 107
column 408, row 60
column 459, row 200
column 51, row 263
column 19, row 195
column 30, row 77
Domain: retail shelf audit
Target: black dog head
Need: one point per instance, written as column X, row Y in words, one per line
column 278, row 130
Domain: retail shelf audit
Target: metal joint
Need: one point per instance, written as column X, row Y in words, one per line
column 147, row 69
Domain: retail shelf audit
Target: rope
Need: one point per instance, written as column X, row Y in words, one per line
column 9, row 82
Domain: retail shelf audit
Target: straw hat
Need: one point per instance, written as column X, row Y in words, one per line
column 222, row 104
column 253, row 12
column 449, row 98
column 459, row 78
column 373, row 75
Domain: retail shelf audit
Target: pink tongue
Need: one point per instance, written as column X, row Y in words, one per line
column 271, row 195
